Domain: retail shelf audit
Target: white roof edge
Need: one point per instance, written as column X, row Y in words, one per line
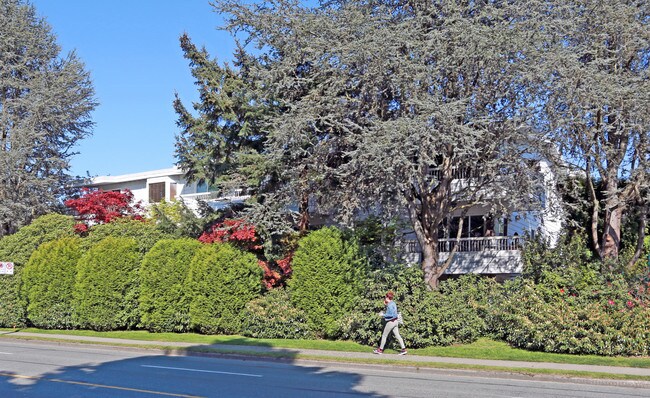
column 133, row 176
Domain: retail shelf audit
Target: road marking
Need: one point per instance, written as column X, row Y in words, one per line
column 201, row 370
column 82, row 383
column 6, row 353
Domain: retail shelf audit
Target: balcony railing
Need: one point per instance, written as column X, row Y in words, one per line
column 471, row 244
column 218, row 195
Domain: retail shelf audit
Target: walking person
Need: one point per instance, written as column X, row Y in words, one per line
column 390, row 317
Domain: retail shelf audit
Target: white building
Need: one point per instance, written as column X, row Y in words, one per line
column 491, row 246
column 168, row 185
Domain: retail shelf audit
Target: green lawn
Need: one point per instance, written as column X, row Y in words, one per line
column 481, row 349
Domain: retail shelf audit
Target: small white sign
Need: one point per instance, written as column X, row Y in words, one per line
column 6, row 268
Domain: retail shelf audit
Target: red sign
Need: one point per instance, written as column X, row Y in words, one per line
column 6, row 268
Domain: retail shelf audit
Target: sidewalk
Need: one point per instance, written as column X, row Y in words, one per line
column 356, row 357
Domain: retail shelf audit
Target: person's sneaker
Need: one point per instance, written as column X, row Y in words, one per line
column 403, row 352
column 378, row 351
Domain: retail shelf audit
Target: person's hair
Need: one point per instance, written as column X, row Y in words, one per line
column 390, row 295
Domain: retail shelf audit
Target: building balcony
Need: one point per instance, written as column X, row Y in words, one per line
column 489, row 255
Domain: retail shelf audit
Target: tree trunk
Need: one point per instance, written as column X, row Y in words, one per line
column 430, row 266
column 611, row 239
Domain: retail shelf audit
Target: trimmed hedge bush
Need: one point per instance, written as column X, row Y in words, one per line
column 327, row 279
column 107, row 285
column 145, row 233
column 17, row 248
column 221, row 281
column 48, row 281
column 273, row 317
column 164, row 269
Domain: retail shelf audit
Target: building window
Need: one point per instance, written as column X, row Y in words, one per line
column 156, row 192
column 201, row 187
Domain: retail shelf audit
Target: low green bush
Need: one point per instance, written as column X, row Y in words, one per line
column 221, row 280
column 164, row 269
column 603, row 322
column 462, row 307
column 273, row 317
column 144, row 232
column 327, row 279
column 453, row 314
column 48, row 281
column 364, row 325
column 107, row 285
column 570, row 264
column 17, row 248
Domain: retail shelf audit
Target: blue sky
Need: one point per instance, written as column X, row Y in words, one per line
column 131, row 49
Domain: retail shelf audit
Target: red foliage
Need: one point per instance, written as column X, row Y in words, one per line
column 80, row 228
column 99, row 207
column 244, row 236
column 238, row 232
column 285, row 264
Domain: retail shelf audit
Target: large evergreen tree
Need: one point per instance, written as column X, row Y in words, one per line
column 392, row 107
column 220, row 142
column 596, row 78
column 45, row 106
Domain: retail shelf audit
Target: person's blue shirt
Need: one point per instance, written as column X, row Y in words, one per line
column 391, row 311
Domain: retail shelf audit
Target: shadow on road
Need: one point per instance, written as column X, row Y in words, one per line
column 52, row 370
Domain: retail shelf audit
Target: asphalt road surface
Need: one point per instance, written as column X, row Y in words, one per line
column 54, row 370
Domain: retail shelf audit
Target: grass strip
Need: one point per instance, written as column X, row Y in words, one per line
column 481, row 349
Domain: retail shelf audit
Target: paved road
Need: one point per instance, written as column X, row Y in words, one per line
column 55, row 370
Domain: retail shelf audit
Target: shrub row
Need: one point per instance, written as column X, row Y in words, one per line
column 179, row 285
column 105, row 282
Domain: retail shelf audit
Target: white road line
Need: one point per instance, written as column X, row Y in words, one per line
column 201, row 371
column 6, row 353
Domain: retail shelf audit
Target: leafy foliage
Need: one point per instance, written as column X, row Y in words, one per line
column 175, row 218
column 608, row 321
column 594, row 91
column 244, row 236
column 100, row 207
column 45, row 101
column 222, row 279
column 48, row 281
column 454, row 314
column 571, row 264
column 163, row 303
column 273, row 317
column 327, row 279
column 107, row 285
column 145, row 233
column 18, row 248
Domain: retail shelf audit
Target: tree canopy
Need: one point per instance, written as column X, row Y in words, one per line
column 425, row 109
column 45, row 105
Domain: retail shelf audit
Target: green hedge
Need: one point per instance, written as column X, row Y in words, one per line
column 454, row 314
column 48, row 281
column 164, row 269
column 273, row 317
column 327, row 279
column 145, row 233
column 221, row 281
column 607, row 321
column 107, row 285
column 17, row 248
